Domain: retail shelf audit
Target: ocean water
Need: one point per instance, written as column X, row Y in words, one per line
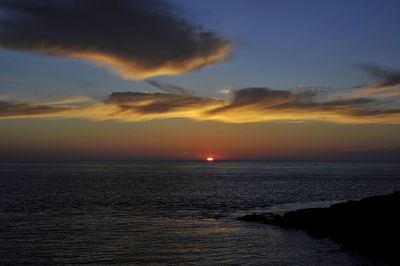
column 175, row 213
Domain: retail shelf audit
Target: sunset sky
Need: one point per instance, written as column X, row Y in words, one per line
column 188, row 79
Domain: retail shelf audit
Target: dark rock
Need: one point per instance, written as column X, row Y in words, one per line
column 370, row 226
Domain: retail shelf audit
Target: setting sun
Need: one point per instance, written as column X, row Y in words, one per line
column 210, row 159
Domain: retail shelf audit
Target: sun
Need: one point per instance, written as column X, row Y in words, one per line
column 210, row 159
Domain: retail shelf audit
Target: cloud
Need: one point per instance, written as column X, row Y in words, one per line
column 70, row 100
column 264, row 104
column 135, row 39
column 247, row 105
column 159, row 105
column 170, row 88
column 385, row 81
column 226, row 90
column 26, row 110
column 386, row 78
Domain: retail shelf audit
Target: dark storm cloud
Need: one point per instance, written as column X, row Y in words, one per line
column 136, row 39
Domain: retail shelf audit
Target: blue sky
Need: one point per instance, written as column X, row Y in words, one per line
column 279, row 44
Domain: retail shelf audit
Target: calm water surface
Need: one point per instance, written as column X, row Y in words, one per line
column 179, row 213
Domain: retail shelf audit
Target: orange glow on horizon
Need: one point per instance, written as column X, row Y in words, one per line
column 210, row 159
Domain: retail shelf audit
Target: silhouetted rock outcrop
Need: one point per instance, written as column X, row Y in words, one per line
column 370, row 226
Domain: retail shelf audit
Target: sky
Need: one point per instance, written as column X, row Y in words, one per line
column 186, row 79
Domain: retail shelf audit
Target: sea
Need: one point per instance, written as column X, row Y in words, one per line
column 176, row 212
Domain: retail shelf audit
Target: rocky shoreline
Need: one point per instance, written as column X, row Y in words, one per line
column 370, row 226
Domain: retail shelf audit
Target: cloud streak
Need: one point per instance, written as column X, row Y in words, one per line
column 247, row 105
column 26, row 110
column 170, row 88
column 134, row 39
column 386, row 78
column 386, row 82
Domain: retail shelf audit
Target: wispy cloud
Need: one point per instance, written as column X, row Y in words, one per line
column 26, row 110
column 247, row 105
column 69, row 100
column 170, row 88
column 386, row 82
column 135, row 39
column 264, row 104
column 139, row 106
column 385, row 77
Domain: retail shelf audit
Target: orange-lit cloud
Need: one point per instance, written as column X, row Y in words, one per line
column 134, row 39
column 247, row 105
